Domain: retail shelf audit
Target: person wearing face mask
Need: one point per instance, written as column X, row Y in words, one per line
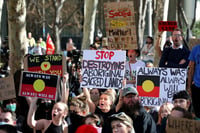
column 7, row 117
column 10, row 104
column 44, row 109
column 95, row 94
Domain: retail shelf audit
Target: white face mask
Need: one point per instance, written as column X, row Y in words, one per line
column 3, row 123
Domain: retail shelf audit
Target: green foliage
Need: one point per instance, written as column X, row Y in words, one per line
column 196, row 29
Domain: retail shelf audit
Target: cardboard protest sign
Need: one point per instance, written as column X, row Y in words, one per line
column 167, row 25
column 7, row 88
column 49, row 64
column 120, row 25
column 157, row 85
column 103, row 69
column 182, row 125
column 38, row 85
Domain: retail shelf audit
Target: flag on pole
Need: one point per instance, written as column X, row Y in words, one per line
column 50, row 46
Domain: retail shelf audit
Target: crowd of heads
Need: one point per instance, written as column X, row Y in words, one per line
column 100, row 110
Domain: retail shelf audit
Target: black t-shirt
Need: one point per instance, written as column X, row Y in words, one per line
column 106, row 126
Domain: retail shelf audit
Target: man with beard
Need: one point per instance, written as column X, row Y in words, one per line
column 130, row 104
column 175, row 56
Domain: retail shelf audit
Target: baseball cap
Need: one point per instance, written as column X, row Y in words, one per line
column 129, row 90
column 123, row 117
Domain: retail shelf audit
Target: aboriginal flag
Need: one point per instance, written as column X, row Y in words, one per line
column 148, row 86
column 38, row 85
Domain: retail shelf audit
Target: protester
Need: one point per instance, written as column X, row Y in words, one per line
column 121, row 123
column 10, row 104
column 94, row 120
column 30, row 42
column 7, row 117
column 95, row 94
column 131, row 67
column 164, row 112
column 147, row 52
column 182, row 99
column 194, row 79
column 38, row 50
column 59, row 112
column 78, row 109
column 130, row 104
column 181, row 113
column 42, row 44
column 105, row 108
column 177, row 55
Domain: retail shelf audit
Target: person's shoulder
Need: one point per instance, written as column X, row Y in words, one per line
column 141, row 62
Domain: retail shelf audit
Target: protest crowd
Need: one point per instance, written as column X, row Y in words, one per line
column 101, row 90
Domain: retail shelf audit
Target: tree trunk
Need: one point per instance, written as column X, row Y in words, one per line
column 58, row 5
column 158, row 14
column 1, row 10
column 89, row 22
column 141, row 22
column 17, row 33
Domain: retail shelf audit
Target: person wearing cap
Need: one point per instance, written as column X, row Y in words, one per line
column 121, row 123
column 130, row 104
column 181, row 99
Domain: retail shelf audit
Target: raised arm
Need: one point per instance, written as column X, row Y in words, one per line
column 120, row 101
column 65, row 88
column 31, row 113
column 35, row 124
column 92, row 106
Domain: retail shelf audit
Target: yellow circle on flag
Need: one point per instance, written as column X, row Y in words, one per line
column 148, row 85
column 45, row 66
column 39, row 85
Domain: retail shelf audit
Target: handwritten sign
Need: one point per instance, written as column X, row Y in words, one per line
column 158, row 85
column 38, row 85
column 49, row 64
column 182, row 125
column 167, row 25
column 7, row 88
column 120, row 25
column 103, row 69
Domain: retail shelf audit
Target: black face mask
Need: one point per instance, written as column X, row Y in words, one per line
column 46, row 105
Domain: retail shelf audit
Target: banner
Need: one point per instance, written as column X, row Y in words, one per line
column 38, row 85
column 120, row 25
column 167, row 25
column 49, row 64
column 103, row 69
column 182, row 125
column 50, row 48
column 157, row 85
column 7, row 88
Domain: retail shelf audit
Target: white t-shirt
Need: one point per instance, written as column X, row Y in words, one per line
column 133, row 68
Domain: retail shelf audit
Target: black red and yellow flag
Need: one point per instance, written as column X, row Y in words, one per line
column 148, row 86
column 38, row 85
